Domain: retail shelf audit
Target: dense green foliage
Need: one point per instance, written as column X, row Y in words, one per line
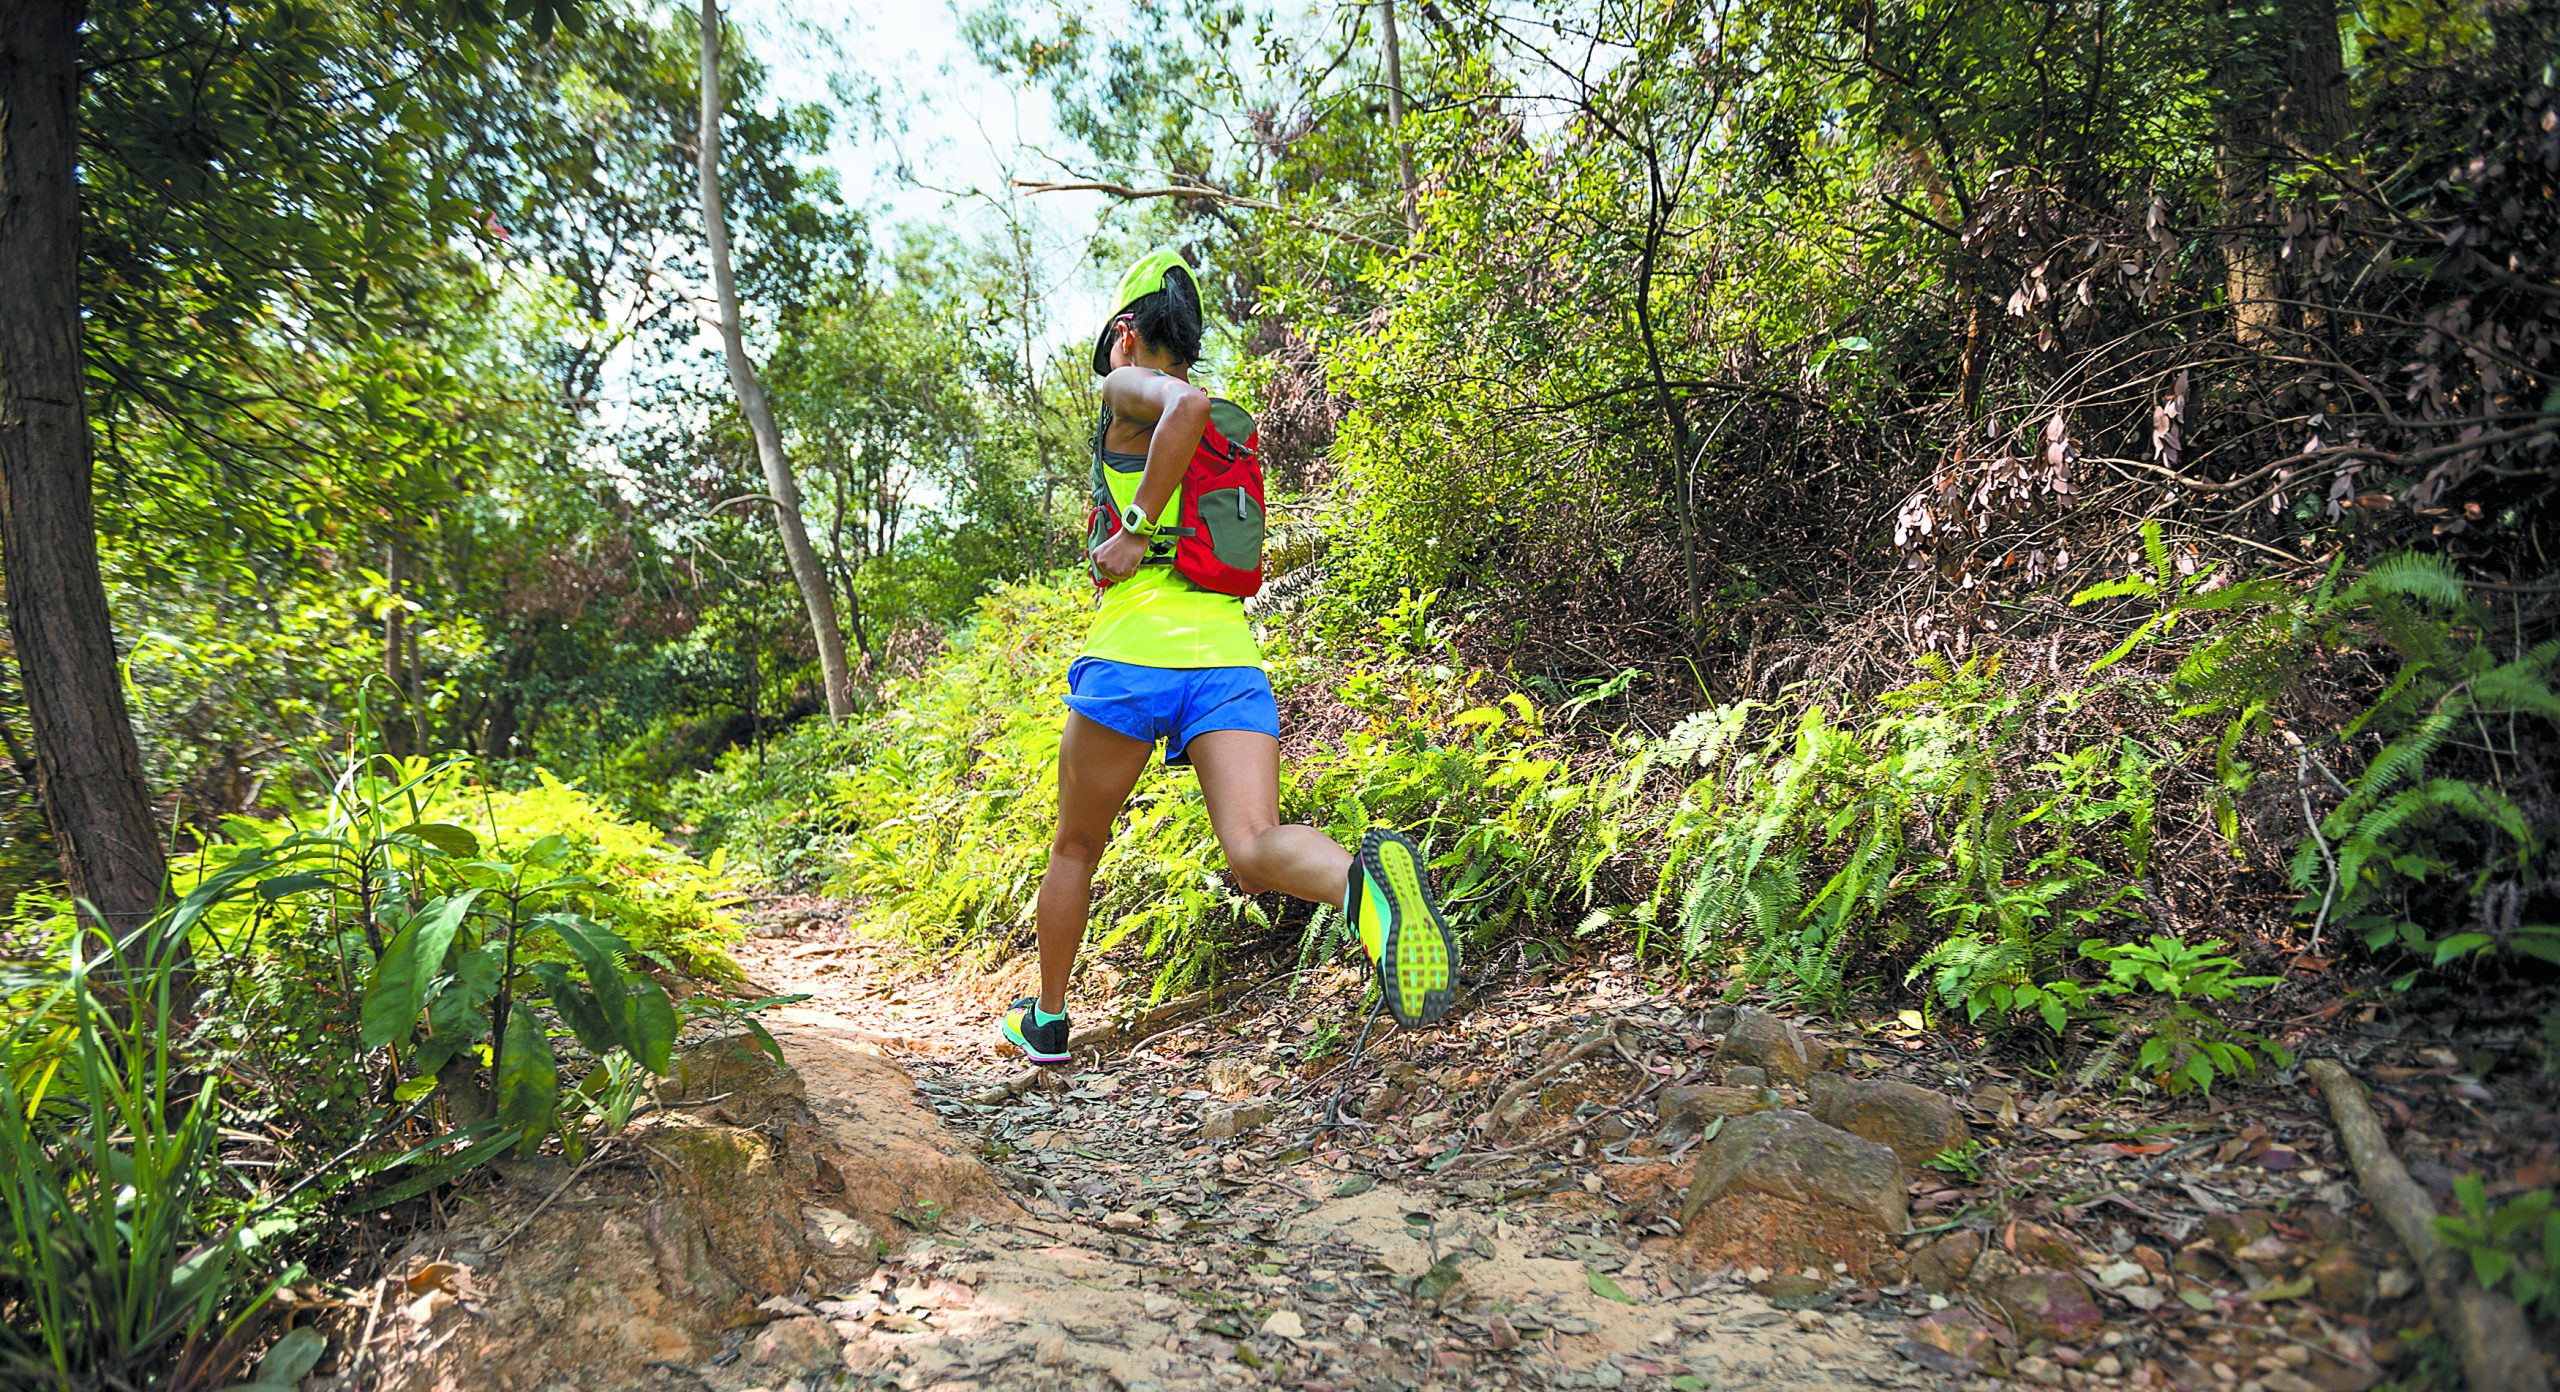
column 414, row 975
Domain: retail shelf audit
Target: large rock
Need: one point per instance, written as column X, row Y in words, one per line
column 1918, row 1124
column 896, row 1163
column 1758, row 1039
column 746, row 1184
column 1780, row 1188
column 630, row 1267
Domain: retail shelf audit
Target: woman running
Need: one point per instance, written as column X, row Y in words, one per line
column 1172, row 659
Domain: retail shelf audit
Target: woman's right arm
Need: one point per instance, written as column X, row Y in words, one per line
column 1179, row 413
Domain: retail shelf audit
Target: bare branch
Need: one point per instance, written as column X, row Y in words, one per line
column 1131, row 193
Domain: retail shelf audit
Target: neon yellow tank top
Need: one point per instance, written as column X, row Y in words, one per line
column 1156, row 618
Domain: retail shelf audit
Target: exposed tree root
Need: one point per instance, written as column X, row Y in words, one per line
column 2487, row 1329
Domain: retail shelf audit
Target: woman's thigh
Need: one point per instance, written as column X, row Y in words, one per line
column 1097, row 766
column 1240, row 780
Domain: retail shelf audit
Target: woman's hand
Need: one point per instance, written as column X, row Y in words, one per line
column 1118, row 558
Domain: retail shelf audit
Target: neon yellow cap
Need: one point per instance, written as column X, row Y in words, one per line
column 1143, row 278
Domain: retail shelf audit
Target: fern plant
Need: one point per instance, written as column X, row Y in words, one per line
column 2429, row 829
column 1803, row 856
column 2409, row 824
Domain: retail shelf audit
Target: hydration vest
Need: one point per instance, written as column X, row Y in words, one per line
column 1215, row 536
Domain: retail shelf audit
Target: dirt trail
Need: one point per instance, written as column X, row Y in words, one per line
column 1171, row 1220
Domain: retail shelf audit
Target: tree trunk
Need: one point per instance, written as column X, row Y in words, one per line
column 395, row 670
column 1395, row 106
column 2284, row 94
column 807, row 571
column 88, row 767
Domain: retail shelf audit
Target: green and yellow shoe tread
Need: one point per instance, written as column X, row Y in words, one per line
column 1403, row 932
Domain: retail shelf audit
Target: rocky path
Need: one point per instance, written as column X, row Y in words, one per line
column 1581, row 1180
column 1179, row 1218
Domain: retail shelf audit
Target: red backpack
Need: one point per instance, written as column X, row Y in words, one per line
column 1215, row 537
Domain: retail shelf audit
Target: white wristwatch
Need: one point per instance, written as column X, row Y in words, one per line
column 1133, row 520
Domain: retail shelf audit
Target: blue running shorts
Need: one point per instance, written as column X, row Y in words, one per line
column 1171, row 704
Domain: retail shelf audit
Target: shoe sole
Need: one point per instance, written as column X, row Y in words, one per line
column 1417, row 956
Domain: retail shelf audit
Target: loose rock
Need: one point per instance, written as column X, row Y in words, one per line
column 1758, row 1039
column 1918, row 1124
column 2047, row 1305
column 1781, row 1185
column 2341, row 1278
column 804, row 1344
column 1691, row 1108
column 1944, row 1264
column 1223, row 1123
column 1957, row 1331
column 2038, row 1245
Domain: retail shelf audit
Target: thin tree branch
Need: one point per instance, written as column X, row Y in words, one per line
column 1127, row 192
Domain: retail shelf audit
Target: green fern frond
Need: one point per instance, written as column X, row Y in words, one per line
column 2422, row 576
column 2156, row 550
column 2471, row 801
column 2108, row 1064
column 2129, row 587
column 2237, row 595
column 2519, row 687
column 2403, row 757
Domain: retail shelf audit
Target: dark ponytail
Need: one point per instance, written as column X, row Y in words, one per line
column 1169, row 319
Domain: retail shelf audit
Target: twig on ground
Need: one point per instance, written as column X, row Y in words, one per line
column 1589, row 1042
column 518, row 1230
column 2311, row 819
column 364, row 1341
column 2487, row 1329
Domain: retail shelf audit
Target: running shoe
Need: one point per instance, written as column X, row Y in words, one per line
column 1401, row 929
column 1041, row 1036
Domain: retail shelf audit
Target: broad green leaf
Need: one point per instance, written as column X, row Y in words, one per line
column 1606, row 1288
column 2489, row 1266
column 578, row 1008
column 2294, row 1289
column 528, row 1081
column 454, row 841
column 648, row 1024
column 2459, row 945
column 412, row 957
column 299, row 882
column 285, row 1365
